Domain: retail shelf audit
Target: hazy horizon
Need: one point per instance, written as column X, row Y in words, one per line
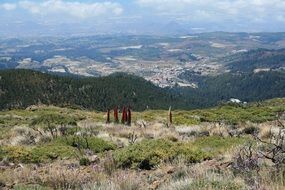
column 20, row 18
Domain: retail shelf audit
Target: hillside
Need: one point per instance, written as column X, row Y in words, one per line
column 47, row 147
column 22, row 88
column 247, row 87
column 244, row 86
column 255, row 60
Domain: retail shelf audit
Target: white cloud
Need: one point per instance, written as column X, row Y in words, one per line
column 220, row 10
column 8, row 6
column 230, row 15
column 68, row 8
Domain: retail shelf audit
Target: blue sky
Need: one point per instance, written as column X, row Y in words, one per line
column 139, row 15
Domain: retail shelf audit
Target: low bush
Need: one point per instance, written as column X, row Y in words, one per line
column 150, row 153
column 51, row 152
column 95, row 144
column 39, row 154
column 232, row 114
column 15, row 154
column 216, row 144
column 184, row 118
column 84, row 161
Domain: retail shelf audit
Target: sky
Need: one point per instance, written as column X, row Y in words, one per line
column 72, row 17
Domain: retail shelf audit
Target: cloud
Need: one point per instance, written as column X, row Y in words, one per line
column 67, row 8
column 8, row 6
column 220, row 10
column 229, row 15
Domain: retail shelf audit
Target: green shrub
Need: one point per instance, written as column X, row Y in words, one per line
column 144, row 155
column 71, row 130
column 39, row 154
column 95, row 144
column 61, row 148
column 232, row 114
column 191, row 154
column 84, row 162
column 184, row 118
column 150, row 153
column 216, row 144
column 16, row 154
column 2, row 153
column 51, row 152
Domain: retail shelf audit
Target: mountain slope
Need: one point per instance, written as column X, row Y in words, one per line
column 244, row 86
column 21, row 88
column 256, row 59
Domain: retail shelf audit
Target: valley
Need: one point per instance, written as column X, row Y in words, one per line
column 161, row 60
column 224, row 128
column 142, row 95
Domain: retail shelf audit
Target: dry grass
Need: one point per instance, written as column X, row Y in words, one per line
column 104, row 174
column 61, row 175
column 204, row 176
column 122, row 133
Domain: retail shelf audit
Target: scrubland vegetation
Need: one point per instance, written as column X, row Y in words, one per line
column 231, row 146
